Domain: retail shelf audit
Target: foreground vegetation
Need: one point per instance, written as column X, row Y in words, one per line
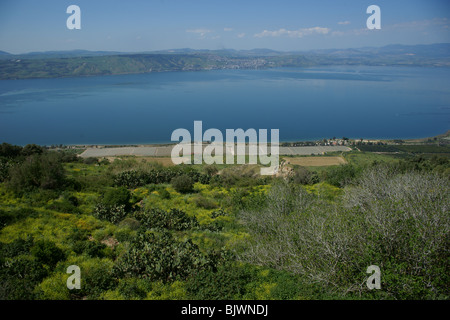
column 139, row 230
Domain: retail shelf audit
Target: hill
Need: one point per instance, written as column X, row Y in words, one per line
column 93, row 63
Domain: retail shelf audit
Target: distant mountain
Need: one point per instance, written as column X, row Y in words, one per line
column 438, row 50
column 75, row 63
column 59, row 54
column 2, row 53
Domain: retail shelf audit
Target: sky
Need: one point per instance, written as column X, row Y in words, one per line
column 284, row 25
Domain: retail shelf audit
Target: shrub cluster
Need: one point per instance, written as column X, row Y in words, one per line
column 174, row 219
column 397, row 221
column 137, row 178
column 111, row 213
column 160, row 257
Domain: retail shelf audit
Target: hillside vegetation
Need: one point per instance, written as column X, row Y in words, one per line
column 140, row 230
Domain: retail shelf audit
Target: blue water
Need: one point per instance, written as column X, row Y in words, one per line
column 304, row 104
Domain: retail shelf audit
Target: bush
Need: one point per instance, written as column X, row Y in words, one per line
column 32, row 149
column 183, row 184
column 53, row 288
column 205, row 203
column 91, row 248
column 130, row 223
column 90, row 160
column 96, row 276
column 137, row 178
column 228, row 282
column 113, row 214
column 160, row 257
column 302, row 175
column 37, row 171
column 164, row 194
column 19, row 277
column 63, row 205
column 46, row 252
column 398, row 222
column 342, row 175
column 117, row 197
column 16, row 248
column 9, row 151
column 5, row 167
column 134, row 288
column 173, row 219
column 130, row 179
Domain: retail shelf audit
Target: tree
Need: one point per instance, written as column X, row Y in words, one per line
column 31, row 149
column 9, row 151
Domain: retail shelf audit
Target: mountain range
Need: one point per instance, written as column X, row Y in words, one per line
column 87, row 63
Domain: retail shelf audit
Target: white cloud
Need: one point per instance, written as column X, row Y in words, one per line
column 227, row 29
column 421, row 24
column 200, row 32
column 337, row 33
column 344, row 23
column 241, row 35
column 293, row 33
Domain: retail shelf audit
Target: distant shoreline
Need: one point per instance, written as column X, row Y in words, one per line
column 66, row 65
column 445, row 135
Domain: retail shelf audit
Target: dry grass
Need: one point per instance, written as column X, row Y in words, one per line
column 315, row 161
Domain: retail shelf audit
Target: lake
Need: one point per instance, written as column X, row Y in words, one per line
column 303, row 103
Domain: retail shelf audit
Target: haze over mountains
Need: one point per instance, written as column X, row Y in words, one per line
column 87, row 63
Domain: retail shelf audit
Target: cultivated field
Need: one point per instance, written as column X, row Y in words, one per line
column 165, row 161
column 315, row 161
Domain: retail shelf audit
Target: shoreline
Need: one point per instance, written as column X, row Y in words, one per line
column 445, row 135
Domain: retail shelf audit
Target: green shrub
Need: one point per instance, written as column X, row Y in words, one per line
column 302, row 175
column 5, row 166
column 130, row 179
column 113, row 214
column 164, row 194
column 16, row 248
column 91, row 248
column 96, row 276
column 32, row 149
column 90, row 160
column 63, row 205
column 218, row 213
column 130, row 223
column 134, row 288
column 117, row 197
column 228, row 282
column 205, row 203
column 183, row 184
column 46, row 252
column 19, row 276
column 37, row 171
column 10, row 151
column 53, row 288
column 160, row 257
column 173, row 219
column 342, row 175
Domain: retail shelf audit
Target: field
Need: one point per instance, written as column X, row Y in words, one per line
column 165, row 161
column 315, row 161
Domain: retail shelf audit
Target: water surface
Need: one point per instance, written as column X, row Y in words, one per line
column 304, row 104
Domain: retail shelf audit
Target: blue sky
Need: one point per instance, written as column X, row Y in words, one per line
column 285, row 25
